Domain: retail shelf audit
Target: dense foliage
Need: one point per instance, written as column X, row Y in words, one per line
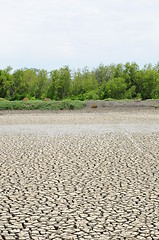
column 121, row 81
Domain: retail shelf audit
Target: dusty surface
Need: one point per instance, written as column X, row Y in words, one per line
column 79, row 175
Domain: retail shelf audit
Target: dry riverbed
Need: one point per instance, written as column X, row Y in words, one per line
column 90, row 174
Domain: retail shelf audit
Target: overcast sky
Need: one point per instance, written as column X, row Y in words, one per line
column 50, row 34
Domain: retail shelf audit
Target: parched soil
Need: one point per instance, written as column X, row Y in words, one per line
column 90, row 174
column 123, row 104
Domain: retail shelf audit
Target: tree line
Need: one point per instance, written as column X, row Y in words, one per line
column 117, row 81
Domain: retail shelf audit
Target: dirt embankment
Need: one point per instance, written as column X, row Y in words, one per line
column 99, row 106
column 102, row 104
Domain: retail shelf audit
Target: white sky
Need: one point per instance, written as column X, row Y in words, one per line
column 52, row 33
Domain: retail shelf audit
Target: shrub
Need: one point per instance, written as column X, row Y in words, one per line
column 33, row 98
column 91, row 95
column 138, row 97
column 41, row 105
column 130, row 93
column 155, row 93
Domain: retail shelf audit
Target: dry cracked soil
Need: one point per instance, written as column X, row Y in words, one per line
column 79, row 175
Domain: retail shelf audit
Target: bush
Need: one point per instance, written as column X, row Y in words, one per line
column 41, row 105
column 33, row 98
column 139, row 97
column 92, row 95
column 155, row 93
column 115, row 88
column 130, row 93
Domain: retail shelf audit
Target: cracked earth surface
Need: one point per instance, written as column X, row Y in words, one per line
column 79, row 176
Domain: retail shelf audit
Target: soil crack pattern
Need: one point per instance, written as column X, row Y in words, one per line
column 80, row 186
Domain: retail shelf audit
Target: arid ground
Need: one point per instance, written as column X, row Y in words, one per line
column 90, row 174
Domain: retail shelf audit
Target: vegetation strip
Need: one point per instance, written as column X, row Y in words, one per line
column 41, row 105
column 121, row 81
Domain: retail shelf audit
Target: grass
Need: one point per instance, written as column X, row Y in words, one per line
column 41, row 105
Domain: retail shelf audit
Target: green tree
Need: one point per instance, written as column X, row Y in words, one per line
column 25, row 84
column 6, row 83
column 115, row 88
column 19, row 89
column 89, row 80
column 42, row 84
column 155, row 90
column 130, row 73
column 64, row 83
column 77, row 87
column 52, row 89
column 31, row 81
column 60, row 83
column 85, row 85
column 147, row 81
